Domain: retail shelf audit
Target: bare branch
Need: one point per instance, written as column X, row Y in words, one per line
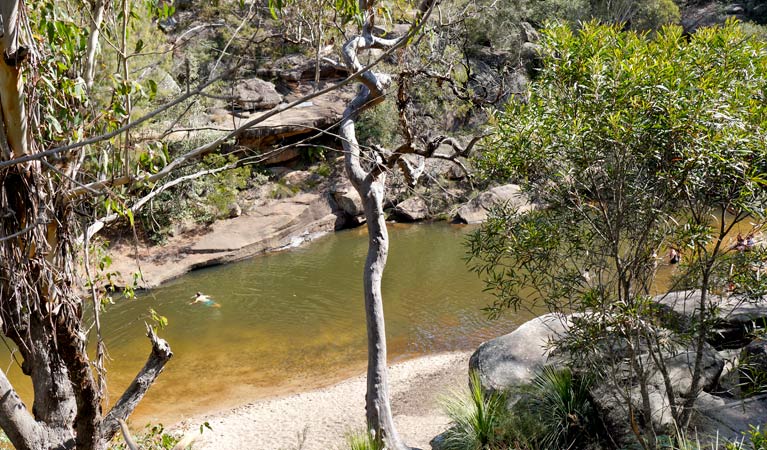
column 127, row 436
column 127, row 403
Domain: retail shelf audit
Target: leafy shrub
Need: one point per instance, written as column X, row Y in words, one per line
column 5, row 443
column 378, row 125
column 653, row 14
column 753, row 439
column 202, row 200
column 281, row 191
column 323, row 169
column 154, row 437
column 223, row 187
column 554, row 412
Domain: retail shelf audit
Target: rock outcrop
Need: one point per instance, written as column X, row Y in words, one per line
column 274, row 225
column 307, row 118
column 516, row 358
column 254, row 94
column 411, row 210
column 736, row 316
column 348, row 204
column 294, row 68
column 477, row 209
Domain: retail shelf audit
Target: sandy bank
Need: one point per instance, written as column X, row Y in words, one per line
column 326, row 415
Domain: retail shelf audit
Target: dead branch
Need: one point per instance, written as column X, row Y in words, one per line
column 160, row 355
column 127, row 436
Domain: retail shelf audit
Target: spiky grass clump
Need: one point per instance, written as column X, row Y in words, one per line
column 477, row 418
column 569, row 415
column 363, row 441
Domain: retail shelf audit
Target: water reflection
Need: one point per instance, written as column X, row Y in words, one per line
column 295, row 320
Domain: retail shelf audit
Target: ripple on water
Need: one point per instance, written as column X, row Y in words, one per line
column 296, row 319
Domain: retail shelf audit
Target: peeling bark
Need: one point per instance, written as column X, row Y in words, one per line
column 39, row 310
column 11, row 87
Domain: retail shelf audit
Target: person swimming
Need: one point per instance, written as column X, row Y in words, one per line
column 205, row 300
column 673, row 256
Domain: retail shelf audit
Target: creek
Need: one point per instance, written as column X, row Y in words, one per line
column 294, row 320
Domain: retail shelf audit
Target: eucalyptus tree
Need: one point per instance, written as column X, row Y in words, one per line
column 367, row 169
column 40, row 311
column 635, row 145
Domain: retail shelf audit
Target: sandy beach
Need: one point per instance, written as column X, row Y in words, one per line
column 324, row 416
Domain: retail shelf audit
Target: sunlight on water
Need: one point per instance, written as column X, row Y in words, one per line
column 295, row 320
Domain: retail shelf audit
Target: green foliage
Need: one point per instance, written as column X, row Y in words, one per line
column 311, row 154
column 653, row 14
column 552, row 413
column 282, row 191
column 153, row 437
column 59, row 96
column 323, row 170
column 753, row 439
column 569, row 419
column 477, row 418
column 754, row 30
column 202, row 200
column 222, row 187
column 363, row 441
column 5, row 443
column 499, row 26
column 635, row 144
column 379, row 125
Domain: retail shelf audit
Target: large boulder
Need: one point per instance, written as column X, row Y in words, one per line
column 294, row 68
column 721, row 419
column 411, row 210
column 514, row 359
column 736, row 316
column 254, row 94
column 613, row 405
column 476, row 210
column 349, row 207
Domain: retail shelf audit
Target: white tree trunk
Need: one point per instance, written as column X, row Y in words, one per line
column 99, row 6
column 377, row 402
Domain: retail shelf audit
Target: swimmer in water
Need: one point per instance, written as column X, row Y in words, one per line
column 205, row 300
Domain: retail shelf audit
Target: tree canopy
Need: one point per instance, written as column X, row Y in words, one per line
column 633, row 144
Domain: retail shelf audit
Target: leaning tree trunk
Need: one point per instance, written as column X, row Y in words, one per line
column 370, row 184
column 370, row 187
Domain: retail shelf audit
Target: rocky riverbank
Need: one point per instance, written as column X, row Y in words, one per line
column 310, row 205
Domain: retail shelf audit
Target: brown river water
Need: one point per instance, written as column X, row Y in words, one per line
column 294, row 320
